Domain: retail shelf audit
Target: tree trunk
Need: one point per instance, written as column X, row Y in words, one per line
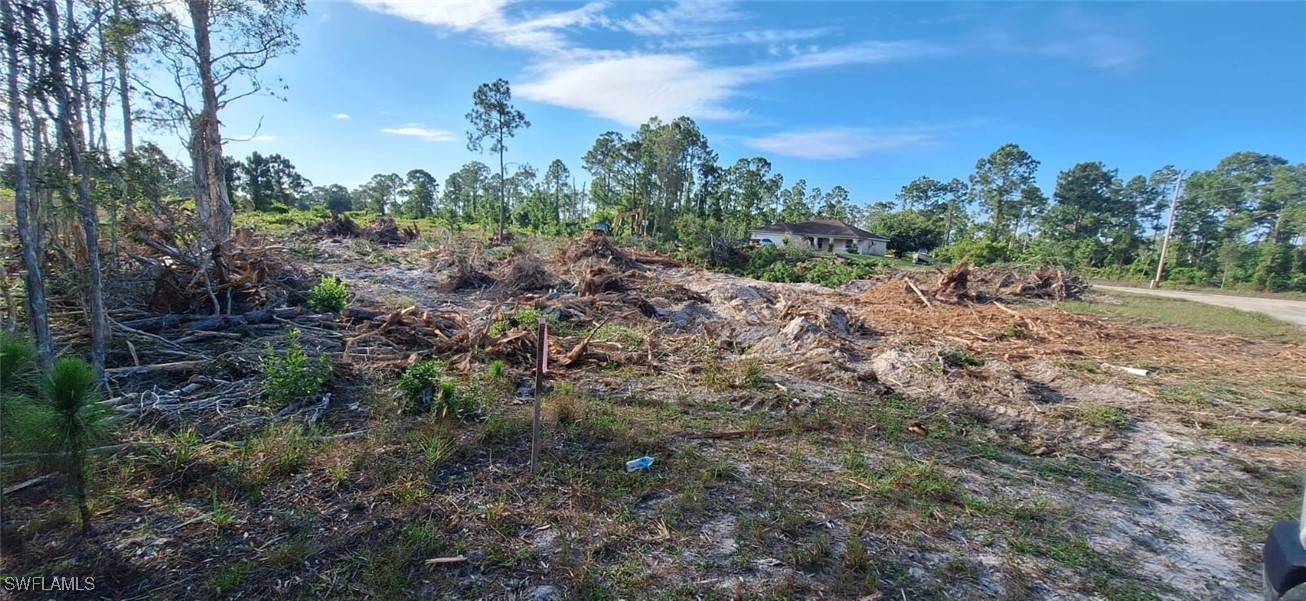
column 503, row 197
column 947, row 234
column 124, row 88
column 103, row 98
column 212, row 203
column 29, row 232
column 77, row 480
column 71, row 126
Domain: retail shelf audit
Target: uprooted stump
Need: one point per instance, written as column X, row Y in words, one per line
column 527, row 274
column 964, row 283
column 600, row 280
column 597, row 246
column 1049, row 283
column 338, row 226
column 955, row 284
column 239, row 275
column 465, row 276
column 386, row 231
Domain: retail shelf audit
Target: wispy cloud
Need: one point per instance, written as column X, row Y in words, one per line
column 759, row 37
column 668, row 67
column 630, row 89
column 537, row 32
column 637, row 87
column 1071, row 36
column 1100, row 50
column 861, row 53
column 1097, row 43
column 685, row 16
column 341, row 116
column 667, row 78
column 421, row 132
column 842, row 143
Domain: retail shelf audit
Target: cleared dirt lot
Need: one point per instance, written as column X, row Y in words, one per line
column 851, row 443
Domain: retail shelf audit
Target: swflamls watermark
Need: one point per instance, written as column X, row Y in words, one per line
column 47, row 584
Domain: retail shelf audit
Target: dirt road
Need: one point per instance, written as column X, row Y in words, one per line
column 1287, row 310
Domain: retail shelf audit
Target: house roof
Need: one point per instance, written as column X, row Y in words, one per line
column 820, row 227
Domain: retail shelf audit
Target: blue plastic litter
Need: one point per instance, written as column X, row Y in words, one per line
column 643, row 463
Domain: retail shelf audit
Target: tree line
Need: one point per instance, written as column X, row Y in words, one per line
column 1240, row 223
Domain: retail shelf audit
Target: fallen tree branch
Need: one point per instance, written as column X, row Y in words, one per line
column 579, row 349
column 254, row 421
column 861, row 484
column 918, row 293
column 326, row 438
column 135, row 370
column 27, row 484
column 758, row 432
column 210, row 322
column 109, row 450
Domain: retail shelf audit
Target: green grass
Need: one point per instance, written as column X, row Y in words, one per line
column 227, row 578
column 1102, row 416
column 1196, row 316
column 1142, row 283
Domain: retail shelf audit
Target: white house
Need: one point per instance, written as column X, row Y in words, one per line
column 822, row 234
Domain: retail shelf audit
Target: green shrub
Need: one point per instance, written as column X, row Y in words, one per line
column 292, row 376
column 419, row 385
column 1187, row 276
column 978, row 252
column 424, row 389
column 528, row 318
column 17, row 363
column 832, row 273
column 761, row 260
column 329, row 295
column 495, row 371
column 780, row 272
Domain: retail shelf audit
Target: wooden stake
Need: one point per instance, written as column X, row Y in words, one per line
column 542, row 333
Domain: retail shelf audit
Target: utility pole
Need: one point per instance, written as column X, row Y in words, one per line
column 1169, row 228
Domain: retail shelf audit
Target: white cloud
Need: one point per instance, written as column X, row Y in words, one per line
column 1072, row 36
column 422, row 133
column 759, row 37
column 682, row 17
column 841, row 143
column 629, row 86
column 538, row 32
column 341, row 116
column 630, row 89
column 459, row 15
column 1100, row 50
column 860, row 53
column 1096, row 42
column 638, row 87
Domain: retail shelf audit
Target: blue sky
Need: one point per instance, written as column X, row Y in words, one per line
column 866, row 95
